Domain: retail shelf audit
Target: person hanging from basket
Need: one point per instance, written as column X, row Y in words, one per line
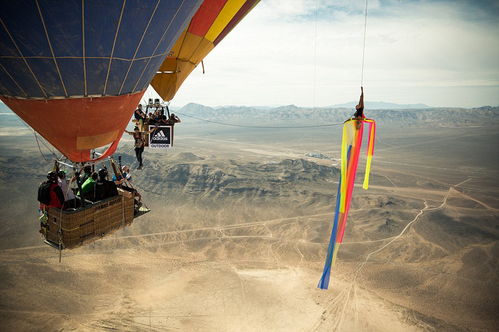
column 140, row 141
column 359, row 109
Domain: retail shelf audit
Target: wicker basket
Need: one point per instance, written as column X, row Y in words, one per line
column 90, row 222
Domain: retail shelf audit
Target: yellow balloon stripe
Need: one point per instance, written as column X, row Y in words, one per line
column 226, row 14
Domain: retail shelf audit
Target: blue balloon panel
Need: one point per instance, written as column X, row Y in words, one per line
column 51, row 48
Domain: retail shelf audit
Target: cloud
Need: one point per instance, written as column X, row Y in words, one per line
column 309, row 53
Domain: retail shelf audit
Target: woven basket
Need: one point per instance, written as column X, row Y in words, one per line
column 91, row 222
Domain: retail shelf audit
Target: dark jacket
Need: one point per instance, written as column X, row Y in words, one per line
column 105, row 189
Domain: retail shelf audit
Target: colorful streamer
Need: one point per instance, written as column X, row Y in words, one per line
column 353, row 130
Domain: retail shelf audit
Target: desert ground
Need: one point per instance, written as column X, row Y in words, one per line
column 238, row 230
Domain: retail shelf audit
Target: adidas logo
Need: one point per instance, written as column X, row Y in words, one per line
column 160, row 136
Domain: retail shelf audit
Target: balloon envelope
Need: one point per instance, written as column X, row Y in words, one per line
column 74, row 70
column 212, row 22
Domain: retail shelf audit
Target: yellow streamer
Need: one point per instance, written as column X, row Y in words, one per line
column 343, row 172
column 335, row 253
column 365, row 185
column 370, row 149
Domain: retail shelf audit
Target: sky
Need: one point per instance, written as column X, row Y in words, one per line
column 309, row 53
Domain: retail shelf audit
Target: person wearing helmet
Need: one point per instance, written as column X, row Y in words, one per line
column 140, row 116
column 55, row 195
column 173, row 119
column 123, row 177
column 87, row 172
column 105, row 188
column 49, row 195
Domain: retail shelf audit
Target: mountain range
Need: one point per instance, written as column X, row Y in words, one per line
column 384, row 113
column 294, row 115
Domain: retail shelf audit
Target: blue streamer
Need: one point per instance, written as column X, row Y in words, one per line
column 324, row 282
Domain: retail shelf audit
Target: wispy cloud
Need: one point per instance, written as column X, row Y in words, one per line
column 308, row 52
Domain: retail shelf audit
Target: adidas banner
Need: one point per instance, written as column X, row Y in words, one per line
column 161, row 138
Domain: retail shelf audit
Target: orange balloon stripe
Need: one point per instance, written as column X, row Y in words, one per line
column 63, row 121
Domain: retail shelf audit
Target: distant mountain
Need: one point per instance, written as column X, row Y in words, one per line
column 255, row 107
column 416, row 115
column 292, row 115
column 196, row 108
column 373, row 105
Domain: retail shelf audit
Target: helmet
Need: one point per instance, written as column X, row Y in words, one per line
column 52, row 176
column 102, row 173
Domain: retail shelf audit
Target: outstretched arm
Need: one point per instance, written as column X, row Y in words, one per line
column 153, row 129
column 128, row 132
column 361, row 100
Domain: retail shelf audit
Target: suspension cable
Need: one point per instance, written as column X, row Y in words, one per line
column 39, row 149
column 38, row 142
column 263, row 127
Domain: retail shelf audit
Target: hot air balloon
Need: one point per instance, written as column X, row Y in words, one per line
column 75, row 70
column 212, row 22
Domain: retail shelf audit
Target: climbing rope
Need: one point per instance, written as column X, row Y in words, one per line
column 316, row 28
column 364, row 46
